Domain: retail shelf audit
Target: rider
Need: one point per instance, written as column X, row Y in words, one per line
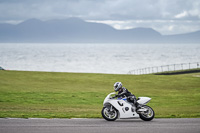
column 123, row 92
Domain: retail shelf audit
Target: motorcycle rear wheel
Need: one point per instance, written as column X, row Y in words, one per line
column 109, row 115
column 148, row 115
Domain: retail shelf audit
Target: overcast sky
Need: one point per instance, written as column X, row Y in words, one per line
column 165, row 16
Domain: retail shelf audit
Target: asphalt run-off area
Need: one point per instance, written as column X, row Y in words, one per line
column 34, row 125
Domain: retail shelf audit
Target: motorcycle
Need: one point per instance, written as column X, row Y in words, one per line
column 122, row 109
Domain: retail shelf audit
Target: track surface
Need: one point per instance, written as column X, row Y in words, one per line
column 184, row 125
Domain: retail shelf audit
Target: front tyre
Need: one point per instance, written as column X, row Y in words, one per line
column 109, row 115
column 147, row 115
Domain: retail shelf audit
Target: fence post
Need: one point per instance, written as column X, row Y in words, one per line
column 149, row 70
column 174, row 67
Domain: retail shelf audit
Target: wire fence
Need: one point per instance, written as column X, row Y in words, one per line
column 166, row 68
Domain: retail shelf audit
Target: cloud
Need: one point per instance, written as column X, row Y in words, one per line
column 182, row 15
column 121, row 13
column 98, row 9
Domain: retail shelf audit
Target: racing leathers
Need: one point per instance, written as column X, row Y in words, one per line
column 123, row 92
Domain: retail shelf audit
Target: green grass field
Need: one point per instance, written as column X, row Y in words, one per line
column 194, row 70
column 67, row 95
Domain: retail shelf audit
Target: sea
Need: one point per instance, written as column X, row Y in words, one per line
column 92, row 57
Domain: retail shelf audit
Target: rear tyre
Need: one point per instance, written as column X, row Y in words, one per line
column 147, row 115
column 109, row 115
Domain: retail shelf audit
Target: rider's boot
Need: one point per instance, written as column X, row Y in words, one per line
column 138, row 106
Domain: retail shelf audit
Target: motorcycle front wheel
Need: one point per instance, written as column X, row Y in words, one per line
column 147, row 115
column 109, row 115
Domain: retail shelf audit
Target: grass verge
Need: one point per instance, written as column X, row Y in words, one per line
column 26, row 94
column 195, row 70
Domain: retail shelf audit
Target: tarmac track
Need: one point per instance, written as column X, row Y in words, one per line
column 183, row 125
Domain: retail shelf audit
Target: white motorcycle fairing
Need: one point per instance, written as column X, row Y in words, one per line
column 125, row 109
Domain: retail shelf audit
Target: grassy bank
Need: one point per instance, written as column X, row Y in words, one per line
column 67, row 95
column 195, row 70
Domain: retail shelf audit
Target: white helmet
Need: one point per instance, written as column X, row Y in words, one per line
column 117, row 86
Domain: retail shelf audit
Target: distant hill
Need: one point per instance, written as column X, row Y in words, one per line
column 75, row 30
